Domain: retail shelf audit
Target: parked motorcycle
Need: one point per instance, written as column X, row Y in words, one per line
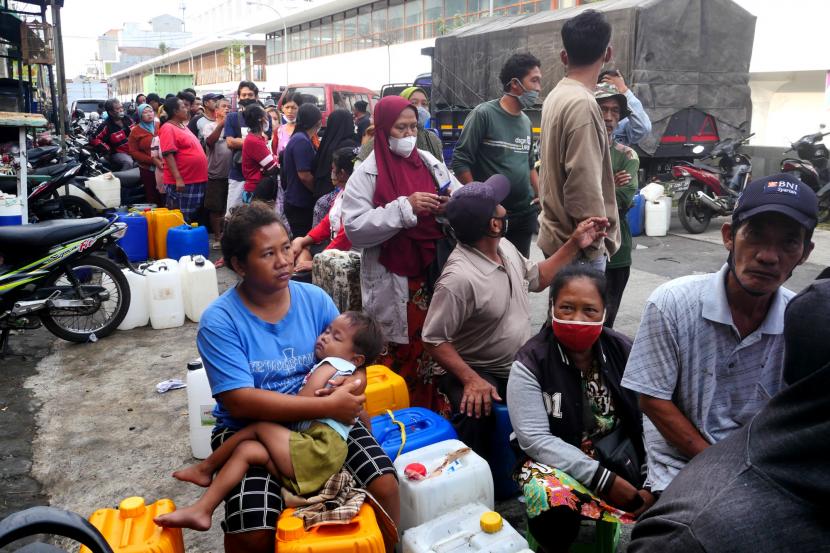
column 50, row 275
column 53, row 522
column 707, row 191
column 811, row 168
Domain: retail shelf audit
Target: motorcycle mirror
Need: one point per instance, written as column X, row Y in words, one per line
column 698, row 149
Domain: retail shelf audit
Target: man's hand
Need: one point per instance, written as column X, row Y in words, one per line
column 477, row 397
column 589, row 231
column 180, row 186
column 621, row 178
column 343, row 404
column 648, row 501
column 617, row 81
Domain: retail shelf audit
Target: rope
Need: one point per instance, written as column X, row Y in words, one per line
column 403, row 432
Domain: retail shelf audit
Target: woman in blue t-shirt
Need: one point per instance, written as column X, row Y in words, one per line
column 258, row 338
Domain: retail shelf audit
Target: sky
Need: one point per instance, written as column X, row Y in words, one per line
column 84, row 20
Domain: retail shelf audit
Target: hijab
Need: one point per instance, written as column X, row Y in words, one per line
column 408, row 92
column 410, row 252
column 339, row 134
column 151, row 126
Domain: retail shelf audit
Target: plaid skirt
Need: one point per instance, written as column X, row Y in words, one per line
column 189, row 202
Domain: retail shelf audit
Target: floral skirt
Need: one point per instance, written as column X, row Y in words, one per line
column 545, row 487
column 411, row 361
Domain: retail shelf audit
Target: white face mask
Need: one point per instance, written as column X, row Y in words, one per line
column 402, row 146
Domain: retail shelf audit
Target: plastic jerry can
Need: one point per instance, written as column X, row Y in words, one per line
column 462, row 479
column 159, row 222
column 385, row 389
column 657, row 218
column 361, row 535
column 422, row 428
column 636, row 215
column 187, row 240
column 199, row 285
column 200, row 404
column 11, row 211
column 138, row 314
column 130, row 528
column 165, row 290
column 136, row 242
column 107, row 188
column 500, row 455
column 470, row 528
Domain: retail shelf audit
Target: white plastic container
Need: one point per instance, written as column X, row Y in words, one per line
column 467, row 480
column 466, row 529
column 138, row 313
column 165, row 289
column 11, row 211
column 199, row 285
column 200, row 404
column 107, row 188
column 658, row 215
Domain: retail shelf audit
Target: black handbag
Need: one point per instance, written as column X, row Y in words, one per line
column 617, row 453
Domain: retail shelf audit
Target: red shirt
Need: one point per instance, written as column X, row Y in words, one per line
column 189, row 154
column 256, row 158
column 323, row 230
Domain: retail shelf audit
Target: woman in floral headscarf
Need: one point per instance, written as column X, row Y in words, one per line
column 389, row 209
column 140, row 141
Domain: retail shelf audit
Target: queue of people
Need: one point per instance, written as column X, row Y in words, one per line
column 718, row 381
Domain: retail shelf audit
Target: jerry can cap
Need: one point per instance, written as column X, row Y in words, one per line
column 491, row 522
column 131, row 507
column 290, row 528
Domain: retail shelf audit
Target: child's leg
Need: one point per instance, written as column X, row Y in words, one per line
column 198, row 516
column 201, row 473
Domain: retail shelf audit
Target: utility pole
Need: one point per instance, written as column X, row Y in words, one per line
column 182, row 7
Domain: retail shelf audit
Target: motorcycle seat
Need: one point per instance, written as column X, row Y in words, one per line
column 34, row 154
column 705, row 167
column 129, row 177
column 52, row 170
column 41, row 236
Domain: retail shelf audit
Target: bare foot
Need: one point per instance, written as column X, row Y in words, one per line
column 189, row 517
column 195, row 474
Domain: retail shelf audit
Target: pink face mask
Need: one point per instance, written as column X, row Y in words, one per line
column 577, row 335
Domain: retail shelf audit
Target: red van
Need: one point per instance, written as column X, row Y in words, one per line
column 329, row 97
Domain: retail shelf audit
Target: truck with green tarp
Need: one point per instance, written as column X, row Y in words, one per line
column 167, row 83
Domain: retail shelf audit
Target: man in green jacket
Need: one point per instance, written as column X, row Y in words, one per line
column 625, row 164
column 497, row 139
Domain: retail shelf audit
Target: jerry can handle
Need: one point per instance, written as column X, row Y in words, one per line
column 57, row 522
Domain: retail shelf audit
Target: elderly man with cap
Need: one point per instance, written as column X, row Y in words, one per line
column 763, row 489
column 479, row 315
column 625, row 163
column 709, row 350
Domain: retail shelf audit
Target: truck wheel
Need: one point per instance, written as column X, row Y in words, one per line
column 693, row 215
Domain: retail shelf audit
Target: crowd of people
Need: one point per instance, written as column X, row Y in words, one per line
column 715, row 405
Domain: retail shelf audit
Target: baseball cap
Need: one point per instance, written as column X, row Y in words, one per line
column 607, row 90
column 472, row 206
column 213, row 96
column 782, row 193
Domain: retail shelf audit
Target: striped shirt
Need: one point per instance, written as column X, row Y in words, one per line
column 689, row 351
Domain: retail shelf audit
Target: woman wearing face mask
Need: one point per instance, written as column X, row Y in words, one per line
column 580, row 430
column 298, row 170
column 259, row 167
column 330, row 228
column 389, row 210
column 426, row 139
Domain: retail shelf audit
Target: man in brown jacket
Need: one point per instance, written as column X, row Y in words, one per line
column 576, row 181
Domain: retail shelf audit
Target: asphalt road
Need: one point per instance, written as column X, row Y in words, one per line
column 81, row 426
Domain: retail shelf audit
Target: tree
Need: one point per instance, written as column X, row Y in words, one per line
column 163, row 48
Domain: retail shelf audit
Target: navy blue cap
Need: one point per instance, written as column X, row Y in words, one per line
column 782, row 193
column 212, row 96
column 472, row 206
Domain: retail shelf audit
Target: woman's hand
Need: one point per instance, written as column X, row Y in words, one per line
column 623, row 495
column 298, row 245
column 343, row 404
column 302, row 266
column 424, row 202
column 477, row 398
column 589, row 231
column 158, row 163
column 180, row 187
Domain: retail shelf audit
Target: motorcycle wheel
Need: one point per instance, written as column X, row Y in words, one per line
column 77, row 324
column 76, row 208
column 693, row 216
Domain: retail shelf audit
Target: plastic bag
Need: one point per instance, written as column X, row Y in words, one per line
column 653, row 191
